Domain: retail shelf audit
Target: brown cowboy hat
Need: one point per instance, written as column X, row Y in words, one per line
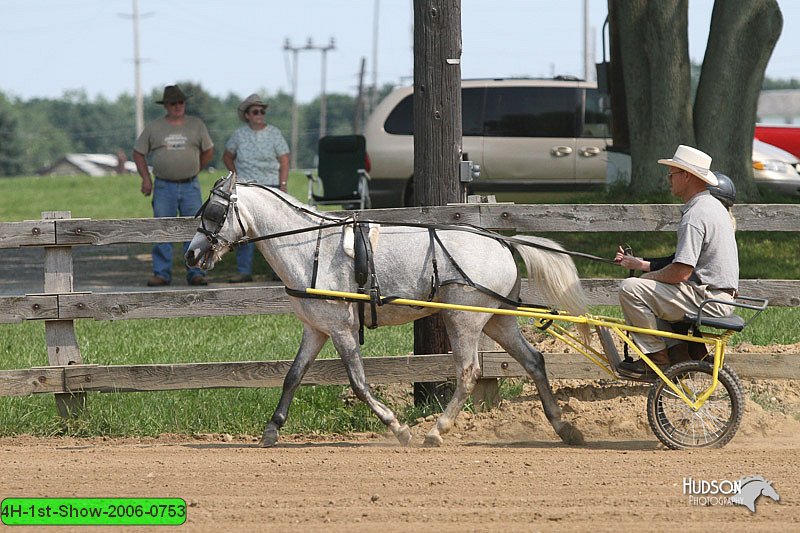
column 172, row 93
column 247, row 103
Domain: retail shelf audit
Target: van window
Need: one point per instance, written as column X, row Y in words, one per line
column 472, row 111
column 401, row 120
column 531, row 112
column 595, row 120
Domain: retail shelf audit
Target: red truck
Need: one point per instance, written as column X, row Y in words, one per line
column 784, row 136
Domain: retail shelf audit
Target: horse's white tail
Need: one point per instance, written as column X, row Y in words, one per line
column 555, row 275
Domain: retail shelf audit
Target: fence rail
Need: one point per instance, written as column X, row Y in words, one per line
column 59, row 306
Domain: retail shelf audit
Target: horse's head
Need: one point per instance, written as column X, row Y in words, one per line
column 220, row 226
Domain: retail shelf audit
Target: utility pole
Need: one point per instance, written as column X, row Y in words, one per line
column 357, row 117
column 587, row 60
column 437, row 142
column 373, row 97
column 295, row 51
column 323, row 104
column 137, row 62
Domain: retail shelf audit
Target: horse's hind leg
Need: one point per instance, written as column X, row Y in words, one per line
column 463, row 331
column 346, row 344
column 310, row 346
column 505, row 331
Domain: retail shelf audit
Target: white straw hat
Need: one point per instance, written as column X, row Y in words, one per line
column 694, row 162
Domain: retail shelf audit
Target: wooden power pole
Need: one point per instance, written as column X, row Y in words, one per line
column 437, row 142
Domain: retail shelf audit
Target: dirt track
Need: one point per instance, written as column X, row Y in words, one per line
column 498, row 471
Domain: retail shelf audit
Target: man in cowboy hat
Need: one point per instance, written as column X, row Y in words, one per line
column 706, row 263
column 179, row 147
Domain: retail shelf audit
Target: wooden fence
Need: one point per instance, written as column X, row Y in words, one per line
column 67, row 378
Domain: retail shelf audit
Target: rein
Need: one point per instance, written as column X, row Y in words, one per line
column 338, row 222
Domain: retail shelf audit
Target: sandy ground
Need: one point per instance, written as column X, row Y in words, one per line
column 497, row 471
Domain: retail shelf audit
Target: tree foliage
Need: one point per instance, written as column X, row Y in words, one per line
column 37, row 132
column 10, row 144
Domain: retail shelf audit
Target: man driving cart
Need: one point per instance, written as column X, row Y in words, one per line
column 705, row 265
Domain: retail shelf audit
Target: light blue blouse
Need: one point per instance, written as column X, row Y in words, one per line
column 257, row 154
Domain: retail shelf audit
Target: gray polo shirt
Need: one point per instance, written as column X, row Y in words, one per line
column 706, row 241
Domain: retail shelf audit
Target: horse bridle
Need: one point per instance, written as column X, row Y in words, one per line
column 216, row 210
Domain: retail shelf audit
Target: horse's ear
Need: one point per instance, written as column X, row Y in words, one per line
column 232, row 182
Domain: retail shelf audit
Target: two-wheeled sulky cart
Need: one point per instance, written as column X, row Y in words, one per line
column 697, row 403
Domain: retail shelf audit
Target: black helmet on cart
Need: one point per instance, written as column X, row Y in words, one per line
column 724, row 191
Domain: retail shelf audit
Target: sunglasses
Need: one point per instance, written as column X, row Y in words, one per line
column 179, row 102
column 258, row 111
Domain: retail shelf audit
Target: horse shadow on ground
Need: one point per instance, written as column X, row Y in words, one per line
column 623, row 445
column 632, row 445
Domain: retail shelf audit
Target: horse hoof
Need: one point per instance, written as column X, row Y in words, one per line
column 269, row 438
column 433, row 441
column 571, row 435
column 403, row 435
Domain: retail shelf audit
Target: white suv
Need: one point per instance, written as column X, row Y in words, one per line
column 526, row 135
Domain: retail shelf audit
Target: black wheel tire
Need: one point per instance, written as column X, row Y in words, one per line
column 713, row 425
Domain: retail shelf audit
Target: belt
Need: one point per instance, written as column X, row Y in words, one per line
column 187, row 180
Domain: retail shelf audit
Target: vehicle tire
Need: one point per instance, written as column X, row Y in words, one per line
column 713, row 425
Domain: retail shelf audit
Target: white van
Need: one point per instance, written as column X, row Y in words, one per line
column 526, row 135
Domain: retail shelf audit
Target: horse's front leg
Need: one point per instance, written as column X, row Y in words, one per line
column 463, row 331
column 310, row 346
column 346, row 343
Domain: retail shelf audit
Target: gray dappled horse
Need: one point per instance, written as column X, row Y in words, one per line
column 403, row 264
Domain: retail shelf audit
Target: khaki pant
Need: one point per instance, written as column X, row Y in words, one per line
column 645, row 301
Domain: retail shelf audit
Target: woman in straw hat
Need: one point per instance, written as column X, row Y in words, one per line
column 258, row 153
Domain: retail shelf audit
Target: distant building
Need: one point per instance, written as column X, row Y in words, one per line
column 89, row 165
column 779, row 107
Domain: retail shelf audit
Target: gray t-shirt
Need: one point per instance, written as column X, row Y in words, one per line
column 706, row 241
column 175, row 148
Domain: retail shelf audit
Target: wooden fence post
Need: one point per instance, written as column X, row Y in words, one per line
column 62, row 345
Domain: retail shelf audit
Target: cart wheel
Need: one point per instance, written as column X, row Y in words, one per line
column 713, row 425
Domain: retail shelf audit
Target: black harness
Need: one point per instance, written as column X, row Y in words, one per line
column 219, row 204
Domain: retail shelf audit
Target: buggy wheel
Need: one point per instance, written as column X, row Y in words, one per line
column 713, row 425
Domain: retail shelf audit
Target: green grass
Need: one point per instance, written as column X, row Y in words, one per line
column 180, row 340
column 245, row 411
column 107, row 197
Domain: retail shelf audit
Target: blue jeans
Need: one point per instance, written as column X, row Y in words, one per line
column 172, row 199
column 244, row 258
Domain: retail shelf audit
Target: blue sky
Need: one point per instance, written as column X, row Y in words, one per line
column 48, row 47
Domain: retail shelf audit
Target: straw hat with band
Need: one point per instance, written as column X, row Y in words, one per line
column 172, row 93
column 694, row 162
column 247, row 103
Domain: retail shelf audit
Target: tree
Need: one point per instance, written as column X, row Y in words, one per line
column 10, row 143
column 653, row 54
column 740, row 42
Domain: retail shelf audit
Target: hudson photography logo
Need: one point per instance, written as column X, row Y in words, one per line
column 745, row 491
